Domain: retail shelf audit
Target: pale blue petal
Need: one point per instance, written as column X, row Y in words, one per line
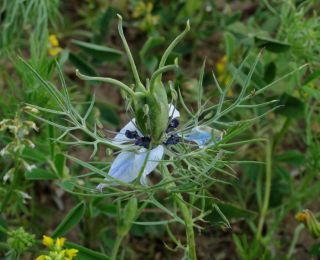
column 173, row 112
column 203, row 135
column 121, row 137
column 155, row 155
column 123, row 167
column 127, row 166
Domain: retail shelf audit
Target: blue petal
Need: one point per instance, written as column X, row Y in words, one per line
column 127, row 166
column 203, row 135
column 155, row 156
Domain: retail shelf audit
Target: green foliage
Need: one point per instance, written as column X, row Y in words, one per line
column 73, row 218
column 19, row 240
column 237, row 197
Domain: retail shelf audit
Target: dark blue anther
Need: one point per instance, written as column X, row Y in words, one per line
column 143, row 141
column 173, row 139
column 131, row 134
column 172, row 125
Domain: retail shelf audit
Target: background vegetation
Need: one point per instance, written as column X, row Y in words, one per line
column 248, row 213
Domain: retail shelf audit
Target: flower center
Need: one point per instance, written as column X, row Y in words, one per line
column 173, row 139
column 172, row 125
column 145, row 141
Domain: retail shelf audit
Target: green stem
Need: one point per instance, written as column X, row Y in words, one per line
column 172, row 45
column 131, row 60
column 187, row 217
column 268, row 178
column 114, row 82
column 116, row 247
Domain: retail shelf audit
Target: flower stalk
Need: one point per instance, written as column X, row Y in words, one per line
column 186, row 215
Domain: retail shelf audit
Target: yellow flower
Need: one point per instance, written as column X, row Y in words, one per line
column 53, row 40
column 139, row 9
column 144, row 11
column 221, row 65
column 54, row 51
column 310, row 222
column 60, row 242
column 223, row 76
column 302, row 216
column 47, row 241
column 54, row 46
column 70, row 253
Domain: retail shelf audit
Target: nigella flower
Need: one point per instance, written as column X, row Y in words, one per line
column 129, row 165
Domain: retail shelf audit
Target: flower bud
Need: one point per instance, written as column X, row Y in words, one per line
column 151, row 113
column 20, row 240
column 309, row 220
column 130, row 212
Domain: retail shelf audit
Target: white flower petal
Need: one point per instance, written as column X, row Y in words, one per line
column 155, row 156
column 121, row 137
column 123, row 167
column 127, row 165
column 202, row 135
column 173, row 112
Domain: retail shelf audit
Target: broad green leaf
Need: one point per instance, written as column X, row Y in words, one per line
column 108, row 113
column 151, row 63
column 152, row 42
column 270, row 72
column 86, row 253
column 280, row 189
column 315, row 75
column 34, row 155
column 40, row 174
column 82, row 65
column 67, row 185
column 293, row 157
column 291, row 106
column 104, row 25
column 192, row 6
column 146, row 55
column 271, row 44
column 99, row 52
column 315, row 249
column 59, row 162
column 312, row 92
column 232, row 211
column 108, row 209
column 230, row 42
column 70, row 221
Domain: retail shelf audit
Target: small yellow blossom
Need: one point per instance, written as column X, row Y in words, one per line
column 54, row 51
column 143, row 11
column 223, row 76
column 54, row 46
column 56, row 250
column 47, row 241
column 60, row 242
column 70, row 253
column 139, row 9
column 53, row 40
